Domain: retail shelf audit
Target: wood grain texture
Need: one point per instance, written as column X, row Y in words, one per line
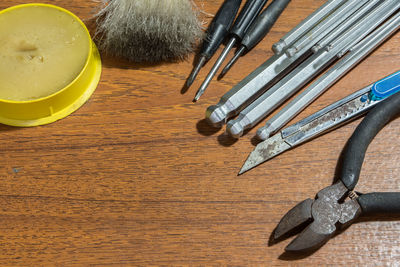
column 135, row 177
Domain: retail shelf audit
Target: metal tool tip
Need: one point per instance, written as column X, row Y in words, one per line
column 294, row 218
column 278, row 233
column 264, row 132
column 246, row 167
column 190, row 80
column 215, row 116
column 234, row 128
column 223, row 72
column 308, row 240
column 201, row 90
column 278, row 47
column 195, row 71
column 296, row 247
column 233, row 60
column 291, row 52
column 251, row 162
column 198, row 95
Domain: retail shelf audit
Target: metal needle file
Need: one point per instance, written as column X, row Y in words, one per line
column 246, row 16
column 257, row 31
column 215, row 35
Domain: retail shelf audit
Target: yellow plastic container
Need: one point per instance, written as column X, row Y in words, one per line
column 64, row 101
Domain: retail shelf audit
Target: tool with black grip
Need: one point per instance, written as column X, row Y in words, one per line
column 328, row 211
column 258, row 30
column 244, row 20
column 215, row 35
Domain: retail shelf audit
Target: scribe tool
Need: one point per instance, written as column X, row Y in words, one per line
column 314, row 65
column 245, row 18
column 257, row 31
column 324, row 120
column 215, row 35
column 330, row 210
column 316, row 26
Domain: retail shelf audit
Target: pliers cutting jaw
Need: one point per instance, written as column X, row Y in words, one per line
column 330, row 211
column 324, row 216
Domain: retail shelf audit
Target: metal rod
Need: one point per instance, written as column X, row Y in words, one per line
column 214, row 69
column 304, row 26
column 359, row 52
column 256, row 83
column 290, row 84
column 196, row 71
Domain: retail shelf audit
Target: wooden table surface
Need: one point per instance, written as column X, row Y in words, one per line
column 136, row 177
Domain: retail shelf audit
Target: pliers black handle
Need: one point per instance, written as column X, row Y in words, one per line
column 354, row 155
column 372, row 203
column 358, row 143
column 329, row 210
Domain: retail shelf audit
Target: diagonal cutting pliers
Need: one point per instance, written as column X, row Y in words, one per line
column 338, row 205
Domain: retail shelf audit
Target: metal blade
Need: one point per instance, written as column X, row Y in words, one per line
column 331, row 120
column 264, row 151
column 295, row 217
column 311, row 238
column 326, row 213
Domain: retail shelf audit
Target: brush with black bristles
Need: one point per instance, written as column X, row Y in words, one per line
column 148, row 30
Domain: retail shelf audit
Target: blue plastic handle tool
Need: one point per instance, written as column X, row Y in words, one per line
column 386, row 87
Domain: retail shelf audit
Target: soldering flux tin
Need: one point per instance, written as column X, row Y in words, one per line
column 60, row 103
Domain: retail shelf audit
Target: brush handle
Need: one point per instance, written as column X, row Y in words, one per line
column 219, row 27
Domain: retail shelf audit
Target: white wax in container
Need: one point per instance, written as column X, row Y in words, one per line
column 42, row 50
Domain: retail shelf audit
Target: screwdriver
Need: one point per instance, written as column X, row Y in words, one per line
column 216, row 33
column 257, row 31
column 246, row 17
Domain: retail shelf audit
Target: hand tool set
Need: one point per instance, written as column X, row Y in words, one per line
column 340, row 32
column 335, row 38
column 338, row 35
column 328, row 43
column 249, row 28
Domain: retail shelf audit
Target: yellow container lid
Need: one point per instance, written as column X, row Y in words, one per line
column 61, row 103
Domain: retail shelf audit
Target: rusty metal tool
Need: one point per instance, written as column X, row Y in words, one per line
column 323, row 121
column 338, row 206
